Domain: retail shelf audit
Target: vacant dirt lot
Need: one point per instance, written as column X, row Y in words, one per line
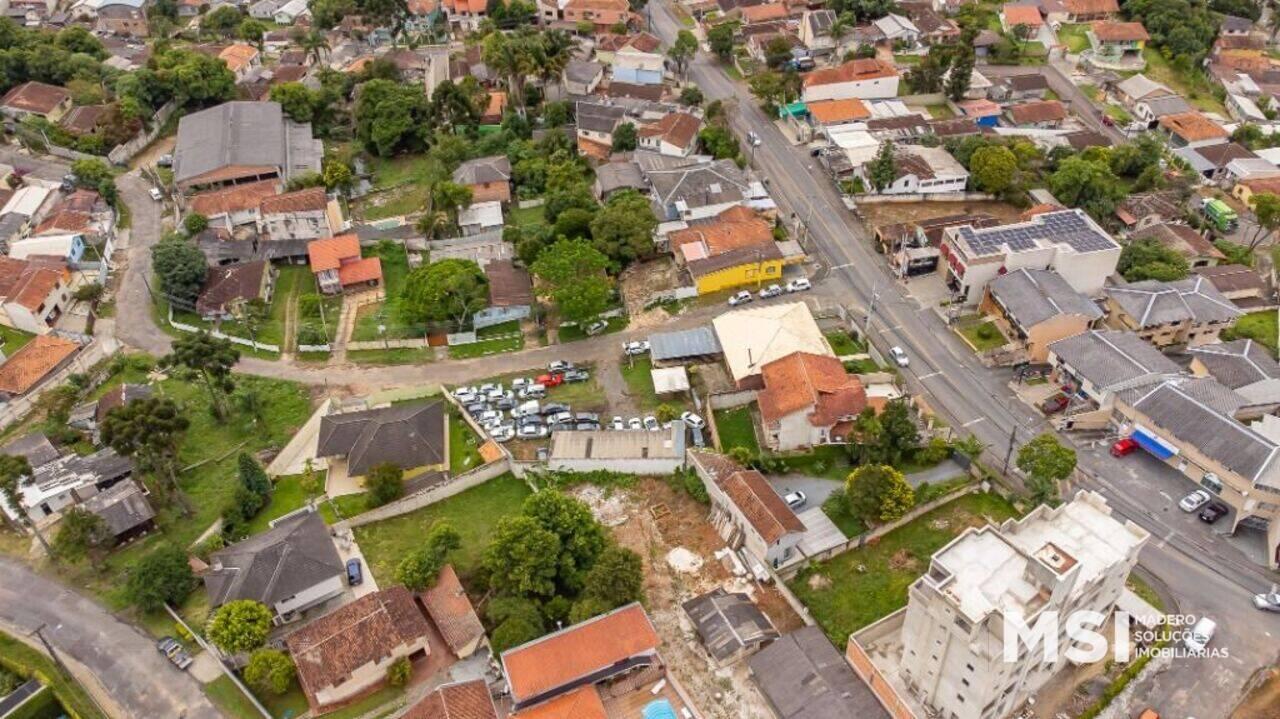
column 670, row 531
column 890, row 213
column 1263, row 702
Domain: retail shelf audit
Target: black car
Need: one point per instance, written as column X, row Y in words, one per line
column 562, row 427
column 1213, row 512
column 587, row 426
column 551, row 408
column 504, row 403
column 355, row 575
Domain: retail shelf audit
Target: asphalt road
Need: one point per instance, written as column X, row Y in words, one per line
column 136, row 676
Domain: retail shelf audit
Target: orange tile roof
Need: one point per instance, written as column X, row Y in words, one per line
column 1091, row 7
column 569, row 655
column 1192, row 126
column 581, row 703
column 33, row 361
column 37, row 97
column 802, row 380
column 238, row 56
column 463, row 700
column 65, row 221
column 1120, row 31
column 312, row 199
column 764, row 509
column 497, row 104
column 852, row 71
column 449, row 608
column 733, row 229
column 236, row 198
column 1038, row 111
column 35, row 286
column 832, row 111
column 678, row 128
column 363, row 270
column 764, row 13
column 1022, row 15
column 422, row 7
column 593, row 149
column 1262, row 184
column 329, row 252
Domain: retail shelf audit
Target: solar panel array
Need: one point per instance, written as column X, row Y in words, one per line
column 1064, row 228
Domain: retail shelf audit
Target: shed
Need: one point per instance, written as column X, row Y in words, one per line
column 695, row 344
column 669, row 380
column 730, row 626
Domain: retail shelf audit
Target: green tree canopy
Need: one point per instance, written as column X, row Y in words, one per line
column 160, row 577
column 270, row 671
column 1087, row 184
column 148, row 430
column 1046, row 462
column 623, row 229
column 420, row 568
column 883, row 169
column 580, row 536
column 180, row 267
column 994, row 168
column 392, row 118
column 616, row 578
column 385, row 483
column 624, row 138
column 81, row 532
column 572, row 272
column 1149, row 260
column 449, row 290
column 523, row 558
column 212, row 359
column 241, row 625
column 878, row 493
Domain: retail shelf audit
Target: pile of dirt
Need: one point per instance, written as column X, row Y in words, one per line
column 684, row 561
column 609, row 508
column 903, row 560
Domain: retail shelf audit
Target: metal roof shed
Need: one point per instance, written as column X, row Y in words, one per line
column 685, row 344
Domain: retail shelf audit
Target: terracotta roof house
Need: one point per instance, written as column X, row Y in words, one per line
column 1040, row 113
column 808, row 400
column 1191, row 127
column 756, row 336
column 1012, row 16
column 676, row 134
column 1186, row 312
column 228, row 289
column 234, row 205
column 83, row 120
column 411, row 436
column 240, row 59
column 835, row 112
column 350, row 649
column 305, row 214
column 290, row 568
column 34, row 361
column 451, row 612
column 743, row 503
column 1150, row 208
column 733, row 249
column 36, row 98
column 33, row 293
column 763, row 13
column 1120, row 32
column 863, row 78
column 601, row 13
column 1245, row 189
column 236, row 142
column 461, row 700
column 1185, row 240
column 488, row 177
column 1088, row 10
column 510, row 294
column 338, row 266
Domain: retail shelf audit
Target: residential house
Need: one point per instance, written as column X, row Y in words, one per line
column 459, row 700
column 89, row 416
column 596, row 122
column 1211, row 160
column 412, row 436
column 33, row 294
column 338, row 266
column 1245, row 189
column 615, row 177
column 233, row 206
column 1118, row 42
column 349, row 650
column 1244, row 109
column 1024, row 16
column 802, row 676
column 1080, row 11
column 1100, row 363
column 912, row 247
column 1240, row 284
column 608, row 45
column 898, row 129
column 1019, row 88
column 582, row 77
column 230, row 288
column 729, row 625
column 815, row 31
column 735, row 249
column 306, row 214
column 289, row 13
column 1068, row 241
column 449, row 609
column 67, row 247
column 984, row 113
column 68, row 480
column 808, row 400
column 290, row 568
column 36, row 99
column 934, row 28
column 1185, row 312
column 753, row 337
column 954, row 127
column 1150, row 208
column 1040, row 114
column 695, row 189
column 676, row 134
column 480, row 217
column 124, row 510
column 1247, row 167
column 746, row 509
column 636, row 67
column 1038, row 308
column 122, row 20
column 241, row 59
column 898, row 30
column 837, row 112
column 238, row 142
column 863, row 78
column 1242, row 365
column 629, row 451
column 920, row 170
column 1183, row 239
column 465, row 15
column 603, row 14
column 84, row 213
column 767, row 12
column 84, row 120
column 488, row 177
column 510, row 295
column 1232, row 26
column 1192, row 128
column 1153, row 108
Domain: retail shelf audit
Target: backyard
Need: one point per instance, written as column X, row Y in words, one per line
column 389, row 313
column 1194, row 85
column 736, row 429
column 982, row 334
column 464, row 445
column 1075, row 37
column 13, row 340
column 1261, row 327
column 842, row 344
column 861, row 586
column 400, row 186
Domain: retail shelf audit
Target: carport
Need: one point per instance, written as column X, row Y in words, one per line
column 1152, row 443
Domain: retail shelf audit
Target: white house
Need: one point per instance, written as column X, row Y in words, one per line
column 480, row 217
column 675, row 135
column 920, row 170
column 32, row 295
column 745, row 505
column 288, row 13
column 637, row 67
column 864, row 79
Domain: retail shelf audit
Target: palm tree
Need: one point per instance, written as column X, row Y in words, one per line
column 511, row 55
column 557, row 51
column 14, row 471
column 315, row 44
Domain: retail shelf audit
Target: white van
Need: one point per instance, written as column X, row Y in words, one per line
column 1201, row 634
column 527, row 409
column 533, row 391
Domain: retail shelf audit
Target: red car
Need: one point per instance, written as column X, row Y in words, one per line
column 554, row 379
column 1055, row 404
column 1123, row 447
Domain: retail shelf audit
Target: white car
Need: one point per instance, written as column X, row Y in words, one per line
column 652, row 424
column 559, row 366
column 503, row 433
column 796, row 499
column 635, row 348
column 596, row 328
column 489, row 416
column 1201, row 634
column 156, row 194
column 753, row 138
column 532, row 431
column 1194, row 501
column 617, row 424
column 740, row 298
column 799, row 285
column 458, row 392
column 899, row 356
column 635, row 423
column 527, row 409
column 693, row 420
column 1267, row 602
column 533, row 391
column 558, row 417
column 770, row 291
column 520, row 383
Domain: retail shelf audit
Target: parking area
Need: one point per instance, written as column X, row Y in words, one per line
column 349, row 549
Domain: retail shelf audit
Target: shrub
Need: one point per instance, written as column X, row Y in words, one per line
column 399, row 672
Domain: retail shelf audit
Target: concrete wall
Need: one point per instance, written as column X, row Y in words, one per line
column 417, row 501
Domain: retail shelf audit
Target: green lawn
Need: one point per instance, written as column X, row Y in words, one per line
column 842, row 344
column 486, row 347
column 13, row 340
column 401, row 186
column 1139, row 587
column 907, row 59
column 286, row 495
column 389, row 313
column 1262, row 327
column 940, row 112
column 736, row 429
column 862, row 366
column 636, row 372
column 983, row 335
column 863, row 585
column 27, row 662
column 392, row 356
column 526, row 217
column 849, row 525
column 829, row 460
column 1117, row 113
column 348, row 506
column 474, row 513
column 571, row 333
column 229, row 699
column 464, row 445
column 1195, row 86
column 1074, row 37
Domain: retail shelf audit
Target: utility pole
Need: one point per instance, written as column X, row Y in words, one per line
column 871, row 308
column 1013, row 439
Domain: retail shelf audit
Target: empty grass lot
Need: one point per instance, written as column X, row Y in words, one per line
column 13, row 339
column 736, row 429
column 844, row 599
column 842, row 344
column 474, row 513
column 464, row 444
column 983, row 335
column 1074, row 37
column 1261, row 327
column 637, row 374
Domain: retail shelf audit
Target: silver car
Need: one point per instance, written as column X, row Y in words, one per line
column 1269, row 602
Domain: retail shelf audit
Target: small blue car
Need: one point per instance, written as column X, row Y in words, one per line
column 354, row 574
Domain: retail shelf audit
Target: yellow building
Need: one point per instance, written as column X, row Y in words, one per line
column 734, row 249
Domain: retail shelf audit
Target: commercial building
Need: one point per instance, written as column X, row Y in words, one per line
column 633, row 451
column 238, row 142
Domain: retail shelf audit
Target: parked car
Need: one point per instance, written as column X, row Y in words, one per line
column 532, row 431
column 1213, row 512
column 476, row 408
column 156, row 194
column 1055, row 403
column 740, row 298
column 551, row 379
column 693, row 420
column 596, row 328
column 506, row 401
column 533, row 419
column 1194, row 501
column 796, row 499
column 355, row 575
column 559, row 366
column 165, row 161
column 1201, row 634
column 503, row 433
column 554, row 407
column 652, row 424
column 532, row 391
column 771, row 291
column 562, row 427
column 635, row 348
column 587, row 417
column 576, row 375
column 753, row 138
column 520, row 383
column 635, row 423
column 173, row 651
column 586, row 426
column 1124, row 447
column 1269, row 602
column 465, row 398
column 528, row 408
column 558, row 417
column 617, row 424
column 488, row 416
column 489, row 388
column 799, row 284
column 899, row 356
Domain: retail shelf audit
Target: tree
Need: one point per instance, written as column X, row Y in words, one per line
column 159, row 578
column 399, row 672
column 15, row 470
column 221, row 21
column 512, row 56
column 878, row 492
column 328, row 13
column 572, row 274
column 1046, row 462
column 449, row 290
column 666, row 412
column 1266, row 210
column 253, row 31
column 1147, row 259
column 253, row 477
column 719, row 142
column 420, row 568
column 882, row 170
column 180, row 267
column 581, row 538
column 298, row 101
column 194, row 223
column 523, row 558
column 516, row 620
column 241, row 625
column 926, row 76
column 447, row 199
column 961, row 75
column 574, row 223
column 994, row 168
column 385, row 483
column 777, row 52
column 901, row 436
column 691, row 96
column 270, row 671
column 149, row 430
column 624, row 138
column 623, row 229
column 616, row 578
column 78, row 39
column 211, row 358
column 80, row 533
column 683, row 49
column 391, row 118
column 337, row 174
column 769, row 87
column 1089, row 185
column 720, row 39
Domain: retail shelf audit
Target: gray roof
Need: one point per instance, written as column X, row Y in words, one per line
column 696, row 342
column 615, row 176
column 820, row 21
column 697, row 184
column 73, row 470
column 1167, row 105
column 1139, row 86
column 1231, row 23
column 1067, row 227
column 1152, row 303
column 1187, row 410
column 582, row 70
column 35, row 446
column 294, row 556
column 1237, row 363
column 804, row 677
column 1108, row 359
column 123, row 507
column 243, row 133
column 482, row 170
column 728, row 623
column 596, row 117
column 406, row 435
column 1031, row 296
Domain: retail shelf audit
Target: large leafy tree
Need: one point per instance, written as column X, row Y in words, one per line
column 149, row 430
column 212, row 359
column 180, row 267
column 623, row 229
column 581, row 537
column 1046, row 462
column 882, row 169
column 270, row 671
column 1266, row 210
column 450, row 290
column 239, row 626
column 1087, row 184
column 994, row 168
column 523, row 558
column 385, row 483
column 572, row 274
column 161, row 577
column 616, row 578
column 878, row 493
column 420, row 568
column 81, row 533
column 720, row 38
column 392, row 118
column 961, row 75
column 515, row 620
column 1150, row 260
column 683, row 49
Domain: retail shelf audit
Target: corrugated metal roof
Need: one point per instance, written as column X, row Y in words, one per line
column 697, row 342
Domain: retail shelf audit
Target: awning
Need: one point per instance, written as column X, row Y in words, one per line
column 1147, row 440
column 795, row 109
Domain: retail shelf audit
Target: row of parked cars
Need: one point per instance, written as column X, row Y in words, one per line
column 744, row 296
column 517, row 412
